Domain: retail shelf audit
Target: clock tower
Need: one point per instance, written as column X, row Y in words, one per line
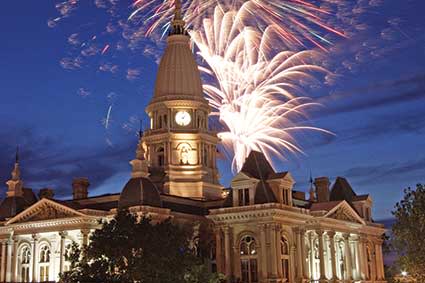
column 180, row 149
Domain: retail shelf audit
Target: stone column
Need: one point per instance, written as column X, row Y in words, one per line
column 311, row 239
column 263, row 254
column 3, row 260
column 272, row 236
column 34, row 243
column 300, row 256
column 331, row 235
column 85, row 236
column 304, row 255
column 227, row 252
column 278, row 229
column 348, row 266
column 9, row 260
column 15, row 259
column 379, row 260
column 218, row 251
column 292, row 263
column 321, row 255
column 362, row 257
column 63, row 235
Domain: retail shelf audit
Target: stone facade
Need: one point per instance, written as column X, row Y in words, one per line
column 264, row 231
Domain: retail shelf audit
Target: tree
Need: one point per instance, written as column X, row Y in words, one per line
column 133, row 249
column 408, row 238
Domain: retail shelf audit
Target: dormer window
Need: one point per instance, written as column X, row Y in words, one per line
column 243, row 195
column 285, row 196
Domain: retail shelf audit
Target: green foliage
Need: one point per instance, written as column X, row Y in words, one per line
column 132, row 249
column 408, row 238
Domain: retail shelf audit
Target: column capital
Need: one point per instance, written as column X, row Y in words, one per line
column 63, row 234
column 85, row 231
column 319, row 232
column 226, row 230
column 262, row 226
column 346, row 236
column 331, row 233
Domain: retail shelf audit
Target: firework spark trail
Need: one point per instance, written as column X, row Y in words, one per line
column 256, row 94
column 107, row 120
column 299, row 21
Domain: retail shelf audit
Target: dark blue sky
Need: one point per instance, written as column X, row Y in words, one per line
column 54, row 97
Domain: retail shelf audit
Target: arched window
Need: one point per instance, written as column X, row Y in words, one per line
column 44, row 262
column 25, row 259
column 284, row 258
column 160, row 156
column 248, row 255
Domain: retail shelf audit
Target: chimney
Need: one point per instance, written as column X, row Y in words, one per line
column 322, row 188
column 80, row 188
column 46, row 193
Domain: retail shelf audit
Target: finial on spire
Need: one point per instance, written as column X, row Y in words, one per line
column 312, row 191
column 17, row 154
column 178, row 10
column 178, row 24
column 141, row 129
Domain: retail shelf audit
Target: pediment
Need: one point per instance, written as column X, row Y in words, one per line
column 44, row 209
column 241, row 176
column 345, row 212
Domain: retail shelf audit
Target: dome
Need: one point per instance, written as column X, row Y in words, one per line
column 178, row 73
column 139, row 191
column 11, row 206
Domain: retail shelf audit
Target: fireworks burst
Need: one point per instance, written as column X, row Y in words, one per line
column 256, row 97
column 298, row 21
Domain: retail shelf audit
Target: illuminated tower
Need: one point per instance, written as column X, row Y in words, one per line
column 179, row 145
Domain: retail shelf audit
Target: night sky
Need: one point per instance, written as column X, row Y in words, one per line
column 55, row 95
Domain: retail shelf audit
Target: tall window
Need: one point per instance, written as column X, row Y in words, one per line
column 243, row 195
column 248, row 257
column 284, row 258
column 160, row 156
column 44, row 263
column 285, row 196
column 25, row 257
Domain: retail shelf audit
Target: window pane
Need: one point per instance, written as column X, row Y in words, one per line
column 240, row 195
column 285, row 269
column 253, row 269
column 244, row 248
column 245, row 271
column 246, row 192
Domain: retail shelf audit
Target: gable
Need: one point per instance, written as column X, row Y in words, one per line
column 44, row 209
column 241, row 176
column 344, row 212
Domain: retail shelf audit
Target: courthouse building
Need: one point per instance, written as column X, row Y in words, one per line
column 264, row 231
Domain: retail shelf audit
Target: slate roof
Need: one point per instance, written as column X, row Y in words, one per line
column 11, row 206
column 257, row 166
column 139, row 191
column 341, row 190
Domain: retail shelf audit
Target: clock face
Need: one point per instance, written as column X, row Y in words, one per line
column 183, row 118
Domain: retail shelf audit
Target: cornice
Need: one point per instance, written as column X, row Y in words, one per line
column 51, row 225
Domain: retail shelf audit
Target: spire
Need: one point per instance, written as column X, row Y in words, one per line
column 17, row 154
column 178, row 24
column 16, row 173
column 311, row 192
column 15, row 183
column 141, row 129
column 140, row 164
